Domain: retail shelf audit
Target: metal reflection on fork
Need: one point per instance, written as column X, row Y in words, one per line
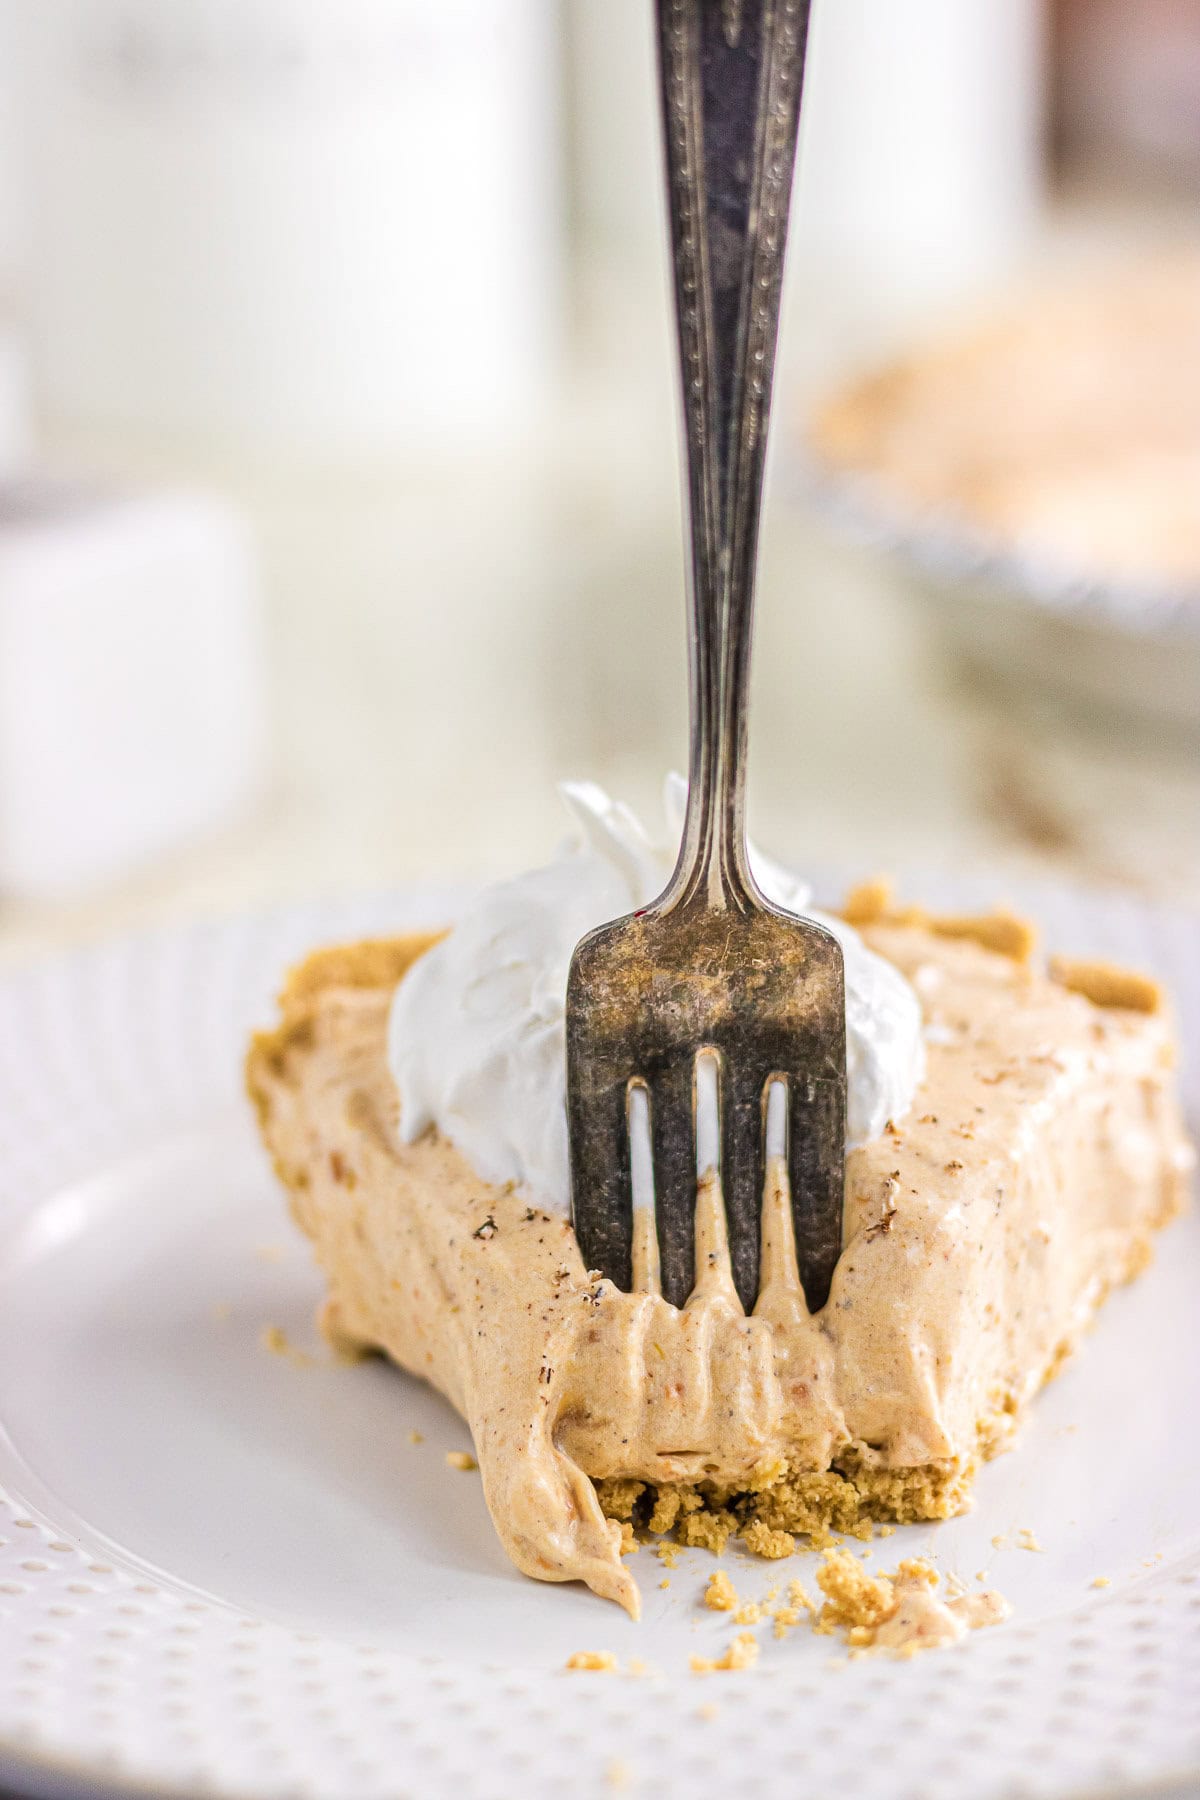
column 711, row 966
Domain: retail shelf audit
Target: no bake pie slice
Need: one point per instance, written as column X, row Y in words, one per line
column 1042, row 1151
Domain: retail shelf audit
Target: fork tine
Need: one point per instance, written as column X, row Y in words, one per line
column 647, row 1269
column 675, row 1176
column 714, row 1274
column 778, row 1269
column 743, row 1174
column 816, row 1164
column 600, row 1170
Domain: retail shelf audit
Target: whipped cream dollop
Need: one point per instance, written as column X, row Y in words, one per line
column 477, row 1037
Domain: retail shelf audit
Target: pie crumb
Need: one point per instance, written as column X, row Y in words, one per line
column 275, row 1339
column 707, row 1711
column 416, row 1437
column 617, row 1775
column 1026, row 1540
column 720, row 1595
column 592, row 1659
column 461, row 1459
column 1101, row 1581
column 900, row 1612
column 741, row 1654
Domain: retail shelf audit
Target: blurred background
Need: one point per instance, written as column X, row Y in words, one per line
column 338, row 469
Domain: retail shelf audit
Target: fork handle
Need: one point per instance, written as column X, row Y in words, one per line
column 731, row 72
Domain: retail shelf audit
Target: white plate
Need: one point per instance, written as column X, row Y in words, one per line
column 221, row 1571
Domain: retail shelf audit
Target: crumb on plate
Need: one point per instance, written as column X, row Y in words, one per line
column 741, row 1654
column 275, row 1339
column 720, row 1595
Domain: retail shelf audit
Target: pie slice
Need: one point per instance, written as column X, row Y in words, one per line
column 1043, row 1150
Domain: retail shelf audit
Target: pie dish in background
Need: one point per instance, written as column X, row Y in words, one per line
column 1038, row 480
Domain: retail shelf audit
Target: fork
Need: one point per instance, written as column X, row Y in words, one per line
column 692, row 1020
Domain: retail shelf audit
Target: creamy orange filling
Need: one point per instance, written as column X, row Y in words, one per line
column 980, row 1234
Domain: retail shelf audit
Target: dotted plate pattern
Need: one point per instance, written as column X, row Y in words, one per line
column 108, row 1679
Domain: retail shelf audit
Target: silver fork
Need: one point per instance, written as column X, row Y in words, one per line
column 711, row 966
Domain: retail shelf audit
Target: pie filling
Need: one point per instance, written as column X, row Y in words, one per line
column 1044, row 1148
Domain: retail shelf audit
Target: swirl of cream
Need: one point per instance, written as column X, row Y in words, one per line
column 477, row 1037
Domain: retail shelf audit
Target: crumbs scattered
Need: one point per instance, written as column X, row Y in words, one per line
column 720, row 1595
column 741, row 1654
column 275, row 1339
column 999, row 1542
column 665, row 1582
column 618, row 1775
column 1026, row 1540
column 749, row 1613
column 1101, row 1581
column 707, row 1711
column 900, row 1612
column 415, row 1436
column 461, row 1459
column 605, row 1662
